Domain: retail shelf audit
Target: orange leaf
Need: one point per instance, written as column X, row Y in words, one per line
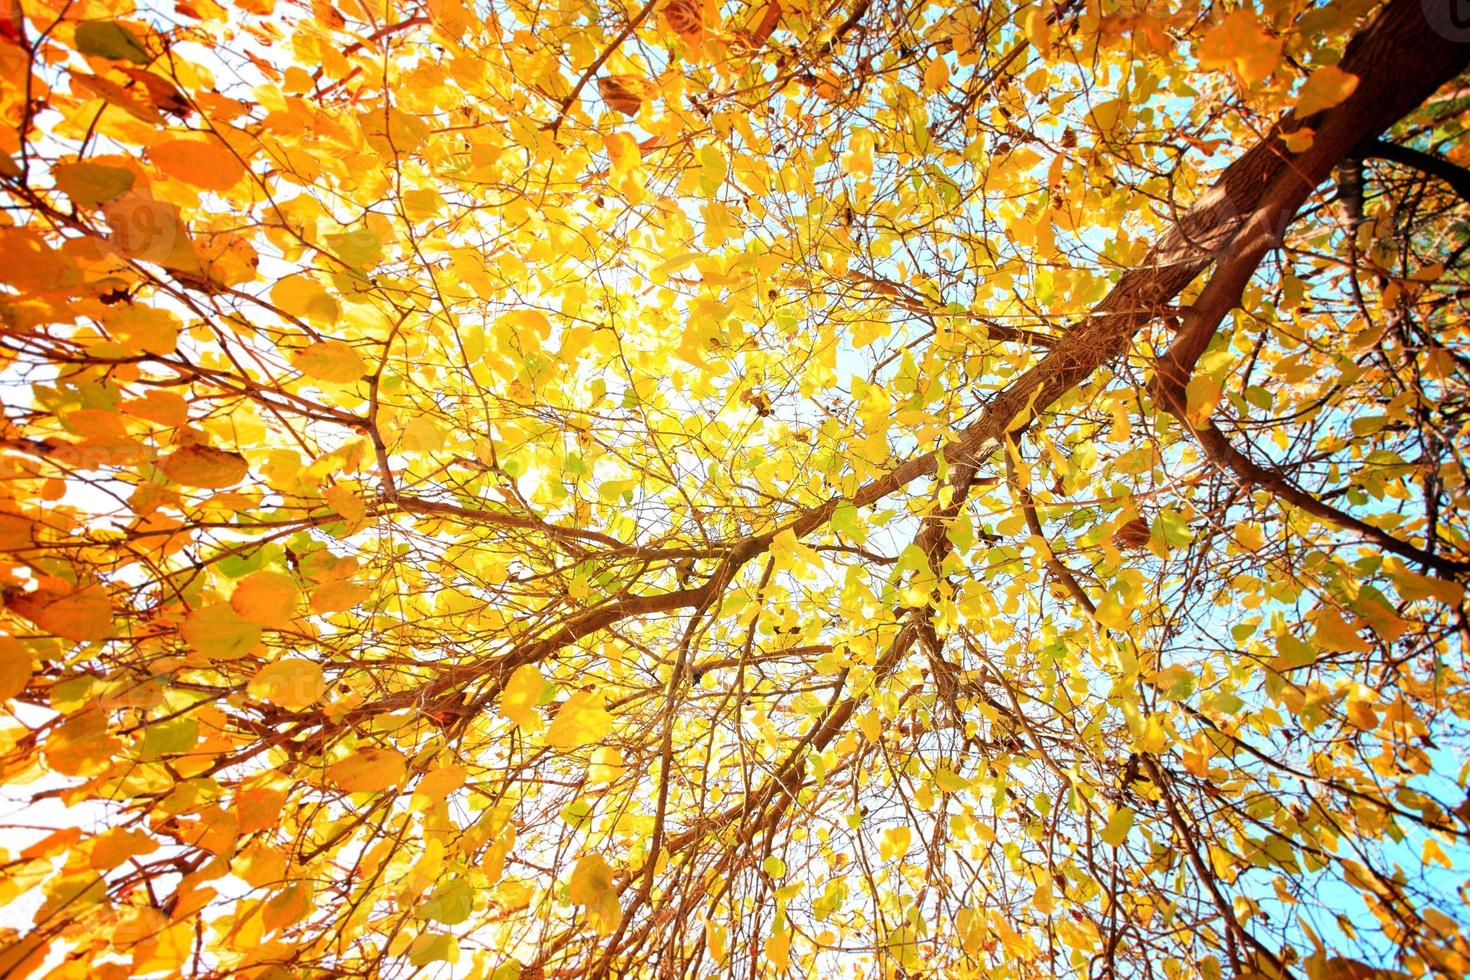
column 292, row 683
column 204, row 467
column 206, row 164
column 1327, row 87
column 337, row 596
column 369, row 771
column 268, row 598
column 84, row 616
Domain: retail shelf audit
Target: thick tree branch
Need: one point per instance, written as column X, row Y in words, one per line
column 1338, row 132
column 1426, row 163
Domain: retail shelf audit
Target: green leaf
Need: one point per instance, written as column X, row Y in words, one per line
column 451, row 903
column 950, row 781
column 169, row 738
column 359, row 248
column 219, row 633
column 1296, row 652
column 92, row 184
column 109, row 39
column 1225, row 702
column 1173, row 527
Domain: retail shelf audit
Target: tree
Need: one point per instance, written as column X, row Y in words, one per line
column 687, row 489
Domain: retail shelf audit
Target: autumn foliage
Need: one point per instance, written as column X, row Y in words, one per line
column 865, row 488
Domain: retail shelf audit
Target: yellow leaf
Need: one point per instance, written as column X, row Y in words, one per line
column 1117, row 828
column 1334, row 633
column 778, row 950
column 496, row 853
column 581, row 721
column 527, row 324
column 607, row 765
column 521, row 696
column 305, row 298
column 1325, row 88
column 894, row 843
column 433, row 947
column 591, row 885
column 1360, row 714
column 260, row 865
column 258, row 808
column 1112, row 613
column 292, row 683
column 440, row 782
column 84, row 84
column 16, row 533
column 268, row 598
column 165, row 949
column 1433, row 852
column 422, row 435
column 1299, row 140
column 970, row 928
column 331, row 361
column 622, row 153
column 1202, row 395
column 113, row 847
column 345, row 501
column 163, row 407
column 1249, row 536
column 1038, row 30
column 591, row 880
column 219, row 633
column 858, row 160
column 1413, row 586
column 154, row 231
column 287, row 908
column 717, row 939
column 1105, row 115
column 370, row 770
column 1239, row 42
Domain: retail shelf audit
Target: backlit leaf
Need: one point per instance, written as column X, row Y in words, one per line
column 581, row 720
column 522, row 696
column 220, row 633
column 206, row 164
column 205, row 467
column 268, row 598
column 1326, row 87
column 369, row 770
column 331, row 361
column 291, row 683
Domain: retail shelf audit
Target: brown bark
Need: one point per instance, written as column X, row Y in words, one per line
column 1399, row 60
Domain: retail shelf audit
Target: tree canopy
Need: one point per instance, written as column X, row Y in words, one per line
column 865, row 488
